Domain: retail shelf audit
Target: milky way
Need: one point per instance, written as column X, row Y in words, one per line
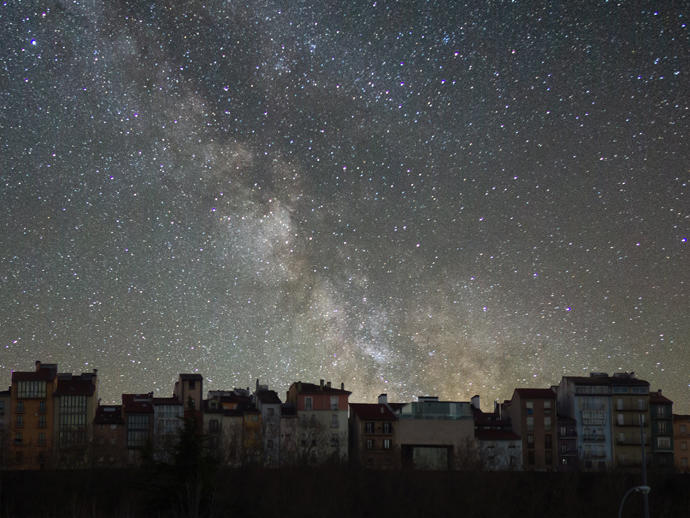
column 411, row 198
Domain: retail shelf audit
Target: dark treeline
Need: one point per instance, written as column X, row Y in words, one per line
column 166, row 491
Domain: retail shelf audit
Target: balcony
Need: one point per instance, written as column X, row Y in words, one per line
column 593, row 438
column 594, row 455
column 631, row 441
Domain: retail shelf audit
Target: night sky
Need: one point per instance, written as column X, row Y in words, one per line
column 411, row 198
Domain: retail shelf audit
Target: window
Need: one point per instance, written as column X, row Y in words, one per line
column 335, row 441
column 387, row 428
column 683, row 445
column 269, row 444
column 663, row 443
column 42, row 421
column 548, row 442
column 529, row 405
column 684, row 462
column 20, row 421
column 641, row 404
column 547, row 423
column 42, row 438
column 334, row 420
column 660, row 411
column 214, row 426
column 137, row 430
column 530, row 458
column 548, row 458
column 621, row 419
column 683, row 428
column 619, row 404
column 18, row 438
column 20, row 407
column 530, row 423
column 386, row 444
column 31, row 389
column 370, row 444
column 369, row 427
column 547, row 406
column 530, row 440
column 662, row 427
column 308, row 403
column 563, row 430
column 42, row 406
column 334, row 402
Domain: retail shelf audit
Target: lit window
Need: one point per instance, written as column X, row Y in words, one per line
column 386, row 444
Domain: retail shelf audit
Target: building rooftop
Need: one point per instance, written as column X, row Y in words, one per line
column 656, row 398
column 75, row 387
column 109, row 414
column 137, row 403
column 372, row 411
column 166, row 401
column 191, row 377
column 534, row 393
column 43, row 372
column 311, row 388
column 601, row 378
column 268, row 397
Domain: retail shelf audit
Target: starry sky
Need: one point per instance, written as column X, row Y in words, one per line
column 408, row 197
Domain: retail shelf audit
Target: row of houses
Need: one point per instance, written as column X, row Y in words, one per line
column 55, row 420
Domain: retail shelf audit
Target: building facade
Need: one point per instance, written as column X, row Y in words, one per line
column 436, row 435
column 322, row 421
column 269, row 405
column 76, row 400
column 681, row 442
column 372, row 435
column 661, row 415
column 587, row 400
column 532, row 414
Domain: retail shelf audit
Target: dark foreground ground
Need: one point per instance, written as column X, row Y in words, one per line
column 332, row 493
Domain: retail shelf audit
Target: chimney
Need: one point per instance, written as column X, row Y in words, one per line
column 38, row 365
column 257, row 384
column 475, row 402
column 342, row 386
column 383, row 399
column 321, row 383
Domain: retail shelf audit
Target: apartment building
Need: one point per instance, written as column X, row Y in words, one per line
column 532, row 414
column 372, row 435
column 436, row 435
column 661, row 414
column 681, row 442
column 322, row 421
